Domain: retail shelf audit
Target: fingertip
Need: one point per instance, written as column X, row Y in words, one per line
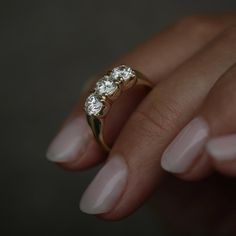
column 70, row 142
column 201, row 169
column 222, row 148
column 93, row 156
column 182, row 153
column 222, row 151
column 106, row 188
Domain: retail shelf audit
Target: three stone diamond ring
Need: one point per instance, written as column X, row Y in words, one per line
column 106, row 92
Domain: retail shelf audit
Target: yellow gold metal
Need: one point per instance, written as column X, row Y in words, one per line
column 96, row 122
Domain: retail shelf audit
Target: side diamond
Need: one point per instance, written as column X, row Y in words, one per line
column 93, row 105
column 123, row 72
column 106, row 86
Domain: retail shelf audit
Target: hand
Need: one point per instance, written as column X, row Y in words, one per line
column 192, row 65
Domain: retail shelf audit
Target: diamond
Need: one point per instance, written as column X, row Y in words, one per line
column 106, row 86
column 93, row 105
column 123, row 72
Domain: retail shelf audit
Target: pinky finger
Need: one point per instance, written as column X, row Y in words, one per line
column 220, row 114
column 223, row 153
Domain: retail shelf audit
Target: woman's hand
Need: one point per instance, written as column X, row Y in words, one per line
column 192, row 106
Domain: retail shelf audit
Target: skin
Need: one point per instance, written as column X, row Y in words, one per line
column 192, row 65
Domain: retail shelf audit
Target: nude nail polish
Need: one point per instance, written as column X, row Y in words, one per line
column 107, row 187
column 186, row 147
column 70, row 142
column 222, row 148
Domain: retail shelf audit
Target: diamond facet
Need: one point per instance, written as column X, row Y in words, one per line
column 123, row 72
column 106, row 86
column 93, row 105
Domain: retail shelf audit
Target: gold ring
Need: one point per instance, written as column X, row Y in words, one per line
column 106, row 91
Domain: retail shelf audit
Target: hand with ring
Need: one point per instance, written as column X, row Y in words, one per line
column 182, row 121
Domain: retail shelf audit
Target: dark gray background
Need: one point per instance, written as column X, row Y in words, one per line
column 48, row 50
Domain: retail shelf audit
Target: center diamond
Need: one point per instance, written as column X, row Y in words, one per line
column 93, row 105
column 105, row 86
column 123, row 72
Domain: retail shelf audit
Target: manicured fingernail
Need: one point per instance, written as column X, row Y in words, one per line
column 186, row 147
column 107, row 187
column 222, row 148
column 71, row 141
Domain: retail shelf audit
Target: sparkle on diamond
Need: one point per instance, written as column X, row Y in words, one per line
column 93, row 105
column 123, row 72
column 105, row 86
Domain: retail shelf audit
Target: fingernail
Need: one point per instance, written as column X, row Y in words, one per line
column 107, row 187
column 222, row 148
column 71, row 141
column 186, row 147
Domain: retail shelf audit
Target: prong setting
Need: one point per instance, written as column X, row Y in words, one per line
column 106, row 86
column 108, row 89
column 93, row 105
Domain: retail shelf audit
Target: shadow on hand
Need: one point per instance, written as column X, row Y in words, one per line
column 207, row 207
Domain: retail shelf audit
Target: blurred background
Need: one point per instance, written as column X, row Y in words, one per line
column 48, row 50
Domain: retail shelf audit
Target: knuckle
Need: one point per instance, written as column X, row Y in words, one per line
column 198, row 24
column 157, row 119
column 149, row 125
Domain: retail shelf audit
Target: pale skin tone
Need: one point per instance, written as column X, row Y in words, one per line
column 192, row 66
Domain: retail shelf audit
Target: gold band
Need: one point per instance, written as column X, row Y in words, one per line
column 108, row 89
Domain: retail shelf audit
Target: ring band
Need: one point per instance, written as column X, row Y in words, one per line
column 107, row 90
